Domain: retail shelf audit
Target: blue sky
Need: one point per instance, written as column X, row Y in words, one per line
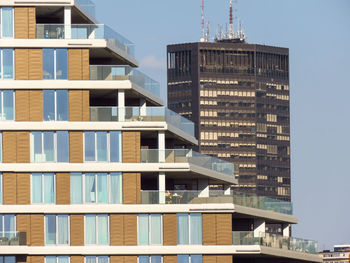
column 317, row 32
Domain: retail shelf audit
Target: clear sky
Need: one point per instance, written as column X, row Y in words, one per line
column 317, row 32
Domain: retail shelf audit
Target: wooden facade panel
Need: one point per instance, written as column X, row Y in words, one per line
column 31, row 22
column 75, row 105
column 210, row 259
column 130, row 229
column 62, row 188
column 22, row 105
column 9, row 147
column 36, row 105
column 23, row 225
column 115, row 259
column 130, row 259
column 37, row 259
column 74, row 64
column 21, row 22
column 85, row 105
column 21, row 64
column 117, row 229
column 131, row 188
column 170, row 259
column 77, row 259
column 77, row 230
column 85, row 61
column 224, row 259
column 37, row 230
column 9, row 182
column 170, row 229
column 23, row 189
column 131, row 147
column 76, row 147
column 35, row 64
column 209, row 229
column 224, row 229
column 23, row 147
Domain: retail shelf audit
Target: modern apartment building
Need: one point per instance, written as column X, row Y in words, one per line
column 237, row 94
column 340, row 254
column 90, row 169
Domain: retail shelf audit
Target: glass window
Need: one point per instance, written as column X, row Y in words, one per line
column 150, row 259
column 101, row 138
column 62, row 147
column 189, row 259
column 196, row 259
column 62, row 105
column 55, row 63
column 7, row 105
column 8, row 259
column 61, row 64
column 49, row 105
column 36, row 147
column 49, row 147
column 76, row 185
column 183, row 259
column 43, row 188
column 7, row 22
column 7, row 62
column 94, row 259
column 48, row 63
column 55, row 105
column 54, row 259
column 56, row 230
column 116, row 149
column 90, row 188
column 149, row 229
column 116, row 186
column 189, row 229
column 96, row 230
column 89, row 146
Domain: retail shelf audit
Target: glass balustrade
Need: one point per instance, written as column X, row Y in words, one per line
column 88, row 6
column 12, row 238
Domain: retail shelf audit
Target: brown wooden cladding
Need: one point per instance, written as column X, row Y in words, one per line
column 37, row 230
column 76, row 147
column 9, row 147
column 217, row 229
column 37, row 259
column 131, row 147
column 29, row 105
column 22, row 64
column 130, row 259
column 23, row 225
column 23, row 147
column 224, row 259
column 130, row 230
column 209, row 229
column 78, row 64
column 29, row 65
column 23, row 189
column 170, row 229
column 209, row 259
column 123, row 259
column 117, row 229
column 25, row 22
column 62, row 188
column 76, row 259
column 79, row 105
column 22, row 105
column 131, row 188
column 9, row 181
column 77, row 230
column 170, row 259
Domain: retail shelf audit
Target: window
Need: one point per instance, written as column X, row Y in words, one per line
column 55, row 105
column 7, row 226
column 53, row 259
column 7, row 105
column 6, row 64
column 189, row 229
column 96, row 230
column 56, row 230
column 6, row 14
column 102, row 146
column 98, row 188
column 149, row 229
column 49, row 147
column 8, row 259
column 189, row 259
column 43, row 188
column 55, row 63
column 150, row 259
column 94, row 259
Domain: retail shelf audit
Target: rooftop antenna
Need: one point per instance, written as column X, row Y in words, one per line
column 203, row 24
column 207, row 39
column 232, row 32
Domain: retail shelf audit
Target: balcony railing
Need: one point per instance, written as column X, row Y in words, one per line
column 110, row 72
column 275, row 241
column 186, row 156
column 238, row 198
column 152, row 114
column 85, row 31
column 13, row 239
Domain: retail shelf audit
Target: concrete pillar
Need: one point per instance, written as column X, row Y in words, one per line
column 227, row 189
column 68, row 22
column 203, row 187
column 143, row 110
column 161, row 188
column 286, row 230
column 161, row 146
column 259, row 227
column 121, row 105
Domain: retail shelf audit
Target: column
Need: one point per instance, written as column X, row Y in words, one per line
column 121, row 105
column 161, row 188
column 161, row 146
column 203, row 187
column 286, row 230
column 143, row 111
column 227, row 189
column 259, row 227
column 68, row 22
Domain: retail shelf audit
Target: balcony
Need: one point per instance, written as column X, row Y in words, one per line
column 85, row 31
column 275, row 241
column 187, row 156
column 110, row 72
column 147, row 114
column 13, row 239
column 237, row 198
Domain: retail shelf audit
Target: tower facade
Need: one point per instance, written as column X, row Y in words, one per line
column 237, row 94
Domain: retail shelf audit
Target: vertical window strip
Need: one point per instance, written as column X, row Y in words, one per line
column 55, row 64
column 57, row 259
column 7, row 22
column 43, row 187
column 96, row 229
column 150, row 229
column 150, row 259
column 96, row 259
column 8, row 226
column 55, row 105
column 189, row 229
column 57, row 230
column 7, row 105
column 8, row 259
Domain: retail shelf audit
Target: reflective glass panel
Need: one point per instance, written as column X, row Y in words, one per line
column 62, row 147
column 182, row 229
column 102, row 229
column 37, row 188
column 8, row 100
column 62, row 105
column 196, row 229
column 196, row 259
column 156, row 259
column 116, row 188
column 115, row 147
column 62, row 259
column 183, row 258
column 61, row 64
column 50, row 259
column 90, row 188
column 102, row 191
column 90, row 229
column 102, row 146
column 76, row 188
column 156, row 232
column 7, row 22
column 62, row 230
column 7, row 63
column 36, row 147
column 48, row 63
column 49, row 105
column 50, row 229
column 89, row 146
column 143, row 232
column 49, row 147
column 49, row 188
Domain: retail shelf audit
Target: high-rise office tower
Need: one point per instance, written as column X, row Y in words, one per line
column 237, row 94
column 89, row 171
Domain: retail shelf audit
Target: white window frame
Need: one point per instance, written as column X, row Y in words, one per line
column 2, row 102
column 56, row 216
column 58, row 257
column 189, row 229
column 42, row 189
column 13, row 23
column 108, row 148
column 96, row 233
column 150, row 230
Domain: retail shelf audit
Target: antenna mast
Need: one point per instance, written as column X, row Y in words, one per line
column 232, row 32
column 203, row 23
